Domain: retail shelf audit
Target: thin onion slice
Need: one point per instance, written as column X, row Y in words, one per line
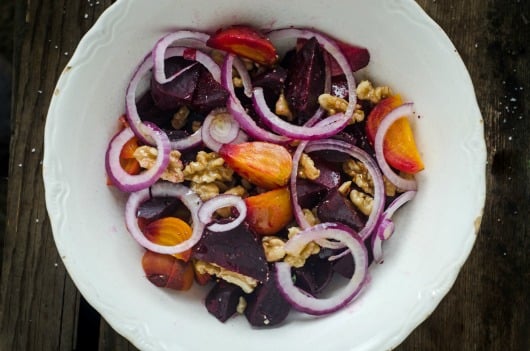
column 373, row 170
column 208, row 208
column 331, row 126
column 133, row 117
column 162, row 46
column 301, row 300
column 128, row 182
column 238, row 111
column 386, row 122
column 386, row 225
column 164, row 189
column 219, row 128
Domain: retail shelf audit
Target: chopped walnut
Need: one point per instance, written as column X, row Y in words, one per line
column 244, row 282
column 307, row 169
column 360, row 175
column 297, row 259
column 206, row 191
column 344, row 188
column 146, row 157
column 332, row 104
column 358, row 115
column 282, row 108
column 241, row 305
column 365, row 91
column 273, row 248
column 195, row 125
column 207, row 168
column 362, row 201
column 310, row 216
column 238, row 82
column 180, row 117
column 390, row 188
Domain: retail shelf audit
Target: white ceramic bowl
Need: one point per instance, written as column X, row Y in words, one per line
column 434, row 234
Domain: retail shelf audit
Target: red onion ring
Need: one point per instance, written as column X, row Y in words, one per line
column 208, row 208
column 164, row 189
column 162, row 45
column 371, row 166
column 243, row 74
column 333, row 125
column 386, row 122
column 297, row 209
column 219, row 128
column 301, row 300
column 236, row 109
column 133, row 117
column 188, row 142
column 386, row 226
column 128, row 182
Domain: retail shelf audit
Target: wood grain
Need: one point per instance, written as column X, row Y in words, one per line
column 487, row 308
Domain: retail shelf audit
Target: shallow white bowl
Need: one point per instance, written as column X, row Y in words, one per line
column 434, row 234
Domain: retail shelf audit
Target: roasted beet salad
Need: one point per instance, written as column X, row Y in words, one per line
column 261, row 174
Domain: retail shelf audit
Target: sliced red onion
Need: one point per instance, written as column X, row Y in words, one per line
column 133, row 118
column 332, row 125
column 219, row 128
column 373, row 170
column 164, row 189
column 243, row 74
column 162, row 46
column 386, row 226
column 332, row 48
column 188, row 142
column 128, row 182
column 297, row 209
column 397, row 113
column 208, row 208
column 237, row 110
column 301, row 300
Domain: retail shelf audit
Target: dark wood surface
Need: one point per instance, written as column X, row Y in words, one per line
column 487, row 309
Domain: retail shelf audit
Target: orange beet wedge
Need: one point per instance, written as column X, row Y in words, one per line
column 169, row 231
column 263, row 164
column 246, row 42
column 399, row 146
column 269, row 212
column 167, row 272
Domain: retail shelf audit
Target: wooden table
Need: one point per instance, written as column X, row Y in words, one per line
column 487, row 309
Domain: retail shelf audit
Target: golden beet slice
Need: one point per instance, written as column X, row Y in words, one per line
column 269, row 212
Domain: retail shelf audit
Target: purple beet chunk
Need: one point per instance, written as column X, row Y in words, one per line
column 266, row 306
column 223, row 299
column 272, row 80
column 209, row 94
column 179, row 91
column 315, row 275
column 237, row 250
column 339, row 87
column 344, row 266
column 157, row 207
column 336, row 208
column 306, row 80
column 330, row 173
column 149, row 112
column 309, row 193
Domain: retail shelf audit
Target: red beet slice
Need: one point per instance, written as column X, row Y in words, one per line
column 330, row 173
column 237, row 250
column 266, row 307
column 179, row 91
column 208, row 94
column 309, row 193
column 306, row 80
column 315, row 275
column 336, row 208
column 223, row 299
column 157, row 207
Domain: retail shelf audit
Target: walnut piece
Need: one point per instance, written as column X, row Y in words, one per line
column 207, row 168
column 282, row 108
column 244, row 282
column 362, row 201
column 146, row 157
column 307, row 169
column 366, row 91
column 297, row 259
column 180, row 117
column 334, row 104
column 273, row 248
column 360, row 175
